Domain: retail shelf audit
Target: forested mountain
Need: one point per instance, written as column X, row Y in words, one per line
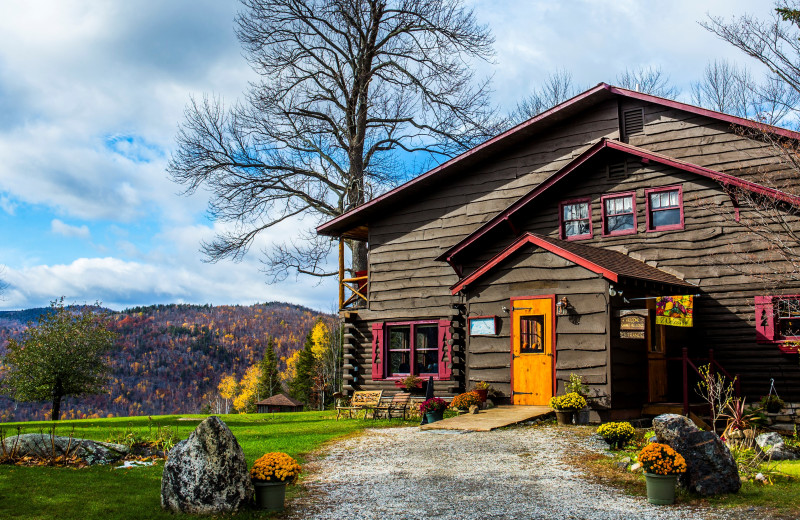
column 170, row 358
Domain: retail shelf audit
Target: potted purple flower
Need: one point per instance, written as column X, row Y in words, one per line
column 433, row 409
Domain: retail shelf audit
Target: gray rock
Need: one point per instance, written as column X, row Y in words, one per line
column 710, row 467
column 488, row 404
column 773, row 445
column 44, row 445
column 206, row 473
column 474, row 409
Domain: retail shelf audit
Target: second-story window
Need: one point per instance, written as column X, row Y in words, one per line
column 619, row 214
column 664, row 208
column 576, row 219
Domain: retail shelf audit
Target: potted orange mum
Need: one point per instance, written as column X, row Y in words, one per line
column 662, row 465
column 270, row 474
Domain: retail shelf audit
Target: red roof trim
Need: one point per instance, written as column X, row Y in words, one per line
column 722, row 178
column 325, row 229
column 530, row 238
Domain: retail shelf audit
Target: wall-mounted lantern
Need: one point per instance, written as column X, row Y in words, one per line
column 561, row 306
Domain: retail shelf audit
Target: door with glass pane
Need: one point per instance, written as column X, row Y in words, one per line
column 532, row 335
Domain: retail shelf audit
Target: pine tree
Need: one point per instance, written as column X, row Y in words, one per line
column 302, row 384
column 270, row 378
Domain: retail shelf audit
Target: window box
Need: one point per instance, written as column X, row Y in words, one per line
column 619, row 213
column 418, row 348
column 575, row 219
column 664, row 208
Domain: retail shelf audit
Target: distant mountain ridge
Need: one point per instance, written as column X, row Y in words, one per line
column 169, row 358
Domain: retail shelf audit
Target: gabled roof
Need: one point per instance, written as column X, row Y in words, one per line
column 352, row 223
column 646, row 156
column 280, row 400
column 611, row 265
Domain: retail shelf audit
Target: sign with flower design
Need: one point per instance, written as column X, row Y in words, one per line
column 676, row 311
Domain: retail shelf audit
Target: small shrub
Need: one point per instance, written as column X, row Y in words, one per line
column 616, row 434
column 570, row 401
column 661, row 459
column 275, row 466
column 466, row 400
column 576, row 385
column 483, row 385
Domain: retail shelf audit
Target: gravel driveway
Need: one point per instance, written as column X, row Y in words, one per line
column 405, row 473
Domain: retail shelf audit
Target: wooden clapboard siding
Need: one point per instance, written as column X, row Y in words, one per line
column 404, row 277
column 581, row 345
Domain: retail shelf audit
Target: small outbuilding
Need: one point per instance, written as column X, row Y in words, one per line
column 279, row 403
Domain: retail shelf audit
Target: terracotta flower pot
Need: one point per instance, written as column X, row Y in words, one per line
column 483, row 394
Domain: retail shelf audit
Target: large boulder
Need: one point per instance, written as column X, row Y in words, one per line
column 46, row 446
column 773, row 445
column 206, row 473
column 710, row 467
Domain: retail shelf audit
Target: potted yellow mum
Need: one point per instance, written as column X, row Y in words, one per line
column 662, row 465
column 270, row 474
column 565, row 405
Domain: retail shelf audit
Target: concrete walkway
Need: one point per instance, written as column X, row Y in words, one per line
column 490, row 419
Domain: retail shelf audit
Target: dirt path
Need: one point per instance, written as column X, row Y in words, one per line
column 405, row 473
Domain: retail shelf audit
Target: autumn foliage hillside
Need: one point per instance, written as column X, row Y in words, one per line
column 170, row 358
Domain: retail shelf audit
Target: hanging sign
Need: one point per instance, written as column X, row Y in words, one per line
column 632, row 324
column 674, row 310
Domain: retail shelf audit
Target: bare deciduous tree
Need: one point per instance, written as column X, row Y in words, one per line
column 556, row 88
column 348, row 91
column 649, row 80
column 774, row 253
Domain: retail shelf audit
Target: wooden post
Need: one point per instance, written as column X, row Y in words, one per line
column 341, row 272
column 685, row 356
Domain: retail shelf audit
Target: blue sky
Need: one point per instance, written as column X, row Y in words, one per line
column 91, row 94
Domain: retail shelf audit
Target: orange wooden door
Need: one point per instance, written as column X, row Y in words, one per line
column 532, row 351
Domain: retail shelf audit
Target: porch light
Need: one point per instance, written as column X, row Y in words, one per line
column 561, row 306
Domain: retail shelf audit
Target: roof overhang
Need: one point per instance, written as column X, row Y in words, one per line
column 348, row 223
column 612, row 267
column 506, row 215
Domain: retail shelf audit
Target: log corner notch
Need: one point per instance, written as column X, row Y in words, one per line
column 357, row 285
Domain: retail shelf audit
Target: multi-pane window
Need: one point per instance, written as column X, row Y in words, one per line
column 788, row 318
column 576, row 219
column 413, row 349
column 531, row 333
column 664, row 209
column 619, row 214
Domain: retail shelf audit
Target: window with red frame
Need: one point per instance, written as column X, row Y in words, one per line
column 777, row 318
column 576, row 219
column 664, row 209
column 418, row 348
column 619, row 214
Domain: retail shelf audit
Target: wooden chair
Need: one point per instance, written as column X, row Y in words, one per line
column 397, row 406
column 363, row 400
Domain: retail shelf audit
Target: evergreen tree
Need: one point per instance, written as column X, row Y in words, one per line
column 270, row 378
column 302, row 384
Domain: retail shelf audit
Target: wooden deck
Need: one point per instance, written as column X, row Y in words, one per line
column 491, row 419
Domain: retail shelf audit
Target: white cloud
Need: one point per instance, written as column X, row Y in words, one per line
column 60, row 228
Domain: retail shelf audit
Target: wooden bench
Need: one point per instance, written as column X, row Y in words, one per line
column 362, row 400
column 397, row 406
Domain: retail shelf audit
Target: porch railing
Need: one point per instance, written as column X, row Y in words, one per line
column 713, row 365
column 354, row 289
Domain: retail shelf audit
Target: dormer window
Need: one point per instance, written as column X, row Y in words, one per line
column 575, row 218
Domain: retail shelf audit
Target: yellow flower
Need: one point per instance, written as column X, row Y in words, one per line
column 275, row 467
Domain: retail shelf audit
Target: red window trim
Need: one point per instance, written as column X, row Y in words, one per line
column 632, row 195
column 385, row 350
column 649, row 192
column 561, row 233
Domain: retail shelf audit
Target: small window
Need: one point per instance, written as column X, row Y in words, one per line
column 664, row 208
column 576, row 219
column 788, row 318
column 619, row 214
column 531, row 333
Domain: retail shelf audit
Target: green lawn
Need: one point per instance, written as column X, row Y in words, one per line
column 102, row 492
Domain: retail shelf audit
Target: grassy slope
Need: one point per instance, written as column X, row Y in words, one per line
column 105, row 493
